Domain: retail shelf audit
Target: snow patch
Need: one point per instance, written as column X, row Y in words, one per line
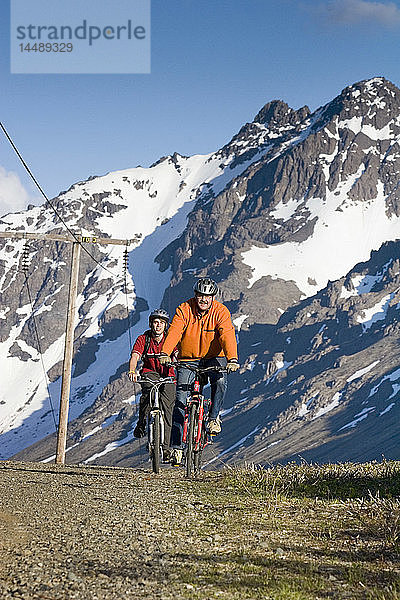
column 239, row 443
column 340, row 239
column 111, row 446
column 375, row 313
column 363, row 284
column 360, row 417
column 394, row 376
column 325, row 409
column 362, row 372
column 387, row 409
column 238, row 322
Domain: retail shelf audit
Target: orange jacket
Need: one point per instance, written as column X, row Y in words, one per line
column 201, row 336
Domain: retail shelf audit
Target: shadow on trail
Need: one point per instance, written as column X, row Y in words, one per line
column 246, row 573
column 250, row 571
column 66, row 470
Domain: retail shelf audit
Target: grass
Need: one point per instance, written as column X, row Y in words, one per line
column 340, row 481
column 295, row 532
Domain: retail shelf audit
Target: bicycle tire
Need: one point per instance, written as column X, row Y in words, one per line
column 191, row 436
column 156, row 450
column 198, row 454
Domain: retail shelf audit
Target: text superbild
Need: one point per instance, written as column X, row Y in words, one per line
column 81, row 32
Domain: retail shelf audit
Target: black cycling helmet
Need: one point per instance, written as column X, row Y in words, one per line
column 159, row 313
column 206, row 286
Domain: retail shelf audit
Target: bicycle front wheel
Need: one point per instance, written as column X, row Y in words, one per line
column 191, row 436
column 197, row 455
column 156, row 449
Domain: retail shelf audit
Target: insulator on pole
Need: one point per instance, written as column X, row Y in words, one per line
column 25, row 258
column 126, row 259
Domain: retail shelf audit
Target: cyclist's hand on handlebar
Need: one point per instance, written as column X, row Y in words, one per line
column 133, row 376
column 164, row 359
column 232, row 365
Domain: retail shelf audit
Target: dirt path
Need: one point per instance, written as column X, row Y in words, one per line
column 101, row 533
column 87, row 532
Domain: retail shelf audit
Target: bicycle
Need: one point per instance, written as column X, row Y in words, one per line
column 155, row 420
column 195, row 434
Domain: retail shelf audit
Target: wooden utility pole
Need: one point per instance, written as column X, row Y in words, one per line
column 71, row 317
column 68, row 353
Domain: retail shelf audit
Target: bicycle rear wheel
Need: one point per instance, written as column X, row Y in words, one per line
column 156, row 449
column 191, row 436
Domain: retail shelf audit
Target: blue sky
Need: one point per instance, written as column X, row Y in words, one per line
column 215, row 63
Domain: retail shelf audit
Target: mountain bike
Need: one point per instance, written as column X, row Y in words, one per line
column 155, row 420
column 195, row 434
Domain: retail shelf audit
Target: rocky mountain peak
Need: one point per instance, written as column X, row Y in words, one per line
column 274, row 123
column 278, row 114
column 370, row 89
column 375, row 101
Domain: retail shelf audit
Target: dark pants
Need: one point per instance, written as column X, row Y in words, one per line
column 185, row 378
column 166, row 399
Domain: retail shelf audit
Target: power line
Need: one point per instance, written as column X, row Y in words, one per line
column 25, row 270
column 28, row 170
column 77, row 243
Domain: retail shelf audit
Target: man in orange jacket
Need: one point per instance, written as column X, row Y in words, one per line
column 203, row 330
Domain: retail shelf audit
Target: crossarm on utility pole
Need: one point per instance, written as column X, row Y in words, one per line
column 55, row 237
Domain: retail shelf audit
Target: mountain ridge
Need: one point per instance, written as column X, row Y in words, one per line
column 281, row 216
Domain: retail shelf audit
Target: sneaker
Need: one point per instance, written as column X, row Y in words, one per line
column 177, row 455
column 167, row 455
column 214, row 426
column 139, row 431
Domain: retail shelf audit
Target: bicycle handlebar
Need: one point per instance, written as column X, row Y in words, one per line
column 200, row 370
column 156, row 382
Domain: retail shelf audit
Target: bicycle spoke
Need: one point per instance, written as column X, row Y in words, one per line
column 156, row 450
column 191, row 436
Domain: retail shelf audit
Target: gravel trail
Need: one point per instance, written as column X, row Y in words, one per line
column 94, row 532
column 104, row 533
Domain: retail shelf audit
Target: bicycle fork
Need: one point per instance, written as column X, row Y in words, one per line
column 151, row 421
column 185, row 424
column 200, row 410
column 199, row 425
column 200, row 402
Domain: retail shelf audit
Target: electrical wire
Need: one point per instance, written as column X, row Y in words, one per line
column 49, row 202
column 77, row 240
column 128, row 319
column 25, row 269
column 114, row 275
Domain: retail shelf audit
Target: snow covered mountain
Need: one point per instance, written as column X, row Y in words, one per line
column 295, row 201
column 148, row 206
column 327, row 388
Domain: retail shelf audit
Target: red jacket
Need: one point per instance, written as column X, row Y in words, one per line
column 198, row 335
column 151, row 362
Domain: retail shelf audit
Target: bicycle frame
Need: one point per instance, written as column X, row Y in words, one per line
column 198, row 398
column 155, row 419
column 196, row 440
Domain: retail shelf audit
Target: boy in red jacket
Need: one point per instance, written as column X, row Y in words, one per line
column 145, row 348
